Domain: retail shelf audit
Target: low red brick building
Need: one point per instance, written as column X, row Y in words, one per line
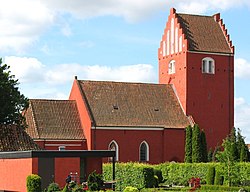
column 20, row 156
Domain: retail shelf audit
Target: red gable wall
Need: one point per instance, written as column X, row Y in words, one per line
column 76, row 95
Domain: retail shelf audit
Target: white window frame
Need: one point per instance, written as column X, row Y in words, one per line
column 171, row 67
column 147, row 152
column 117, row 149
column 208, row 65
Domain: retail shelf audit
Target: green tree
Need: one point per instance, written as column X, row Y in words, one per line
column 12, row 102
column 204, row 152
column 188, row 145
column 196, row 145
column 242, row 147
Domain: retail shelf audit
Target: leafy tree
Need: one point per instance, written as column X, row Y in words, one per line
column 204, row 153
column 188, row 145
column 196, row 145
column 12, row 102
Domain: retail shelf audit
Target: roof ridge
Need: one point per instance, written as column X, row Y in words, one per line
column 119, row 82
column 62, row 100
column 211, row 16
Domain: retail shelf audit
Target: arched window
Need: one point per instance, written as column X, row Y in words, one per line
column 144, row 152
column 171, row 67
column 113, row 146
column 208, row 65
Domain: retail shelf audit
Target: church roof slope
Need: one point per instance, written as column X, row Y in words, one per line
column 119, row 104
column 204, row 33
column 53, row 119
column 14, row 138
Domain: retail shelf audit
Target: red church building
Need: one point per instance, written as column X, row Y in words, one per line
column 146, row 122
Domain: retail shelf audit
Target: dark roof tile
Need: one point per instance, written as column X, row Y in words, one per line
column 133, row 104
column 13, row 138
column 53, row 119
column 203, row 33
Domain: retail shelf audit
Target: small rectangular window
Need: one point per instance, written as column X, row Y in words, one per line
column 204, row 66
column 171, row 67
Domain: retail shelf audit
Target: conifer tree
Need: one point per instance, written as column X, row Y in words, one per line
column 188, row 145
column 196, row 145
column 204, row 147
column 242, row 147
column 233, row 150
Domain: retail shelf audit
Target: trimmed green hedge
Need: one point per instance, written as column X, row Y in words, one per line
column 222, row 188
column 130, row 174
column 142, row 175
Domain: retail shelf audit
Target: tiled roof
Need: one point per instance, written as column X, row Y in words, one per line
column 13, row 138
column 53, row 119
column 133, row 104
column 204, row 33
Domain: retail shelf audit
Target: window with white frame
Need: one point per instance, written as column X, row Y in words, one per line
column 144, row 152
column 208, row 65
column 171, row 67
column 113, row 146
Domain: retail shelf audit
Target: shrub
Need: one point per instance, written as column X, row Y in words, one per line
column 53, row 187
column 77, row 188
column 130, row 174
column 210, row 175
column 130, row 189
column 219, row 179
column 33, row 183
column 158, row 173
column 95, row 181
column 65, row 189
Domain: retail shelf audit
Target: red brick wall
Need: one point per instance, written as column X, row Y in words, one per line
column 63, row 167
column 211, row 96
column 162, row 144
column 75, row 94
column 69, row 145
column 174, row 145
column 94, row 164
column 13, row 173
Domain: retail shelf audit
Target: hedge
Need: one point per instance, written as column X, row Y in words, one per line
column 180, row 173
column 130, row 174
column 141, row 175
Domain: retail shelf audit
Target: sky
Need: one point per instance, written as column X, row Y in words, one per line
column 49, row 42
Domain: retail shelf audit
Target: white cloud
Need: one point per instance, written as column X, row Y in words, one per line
column 242, row 68
column 131, row 73
column 37, row 79
column 21, row 23
column 26, row 69
column 242, row 120
column 137, row 10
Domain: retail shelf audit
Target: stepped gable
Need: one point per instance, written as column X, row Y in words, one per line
column 119, row 104
column 202, row 33
column 14, row 138
column 53, row 119
column 205, row 33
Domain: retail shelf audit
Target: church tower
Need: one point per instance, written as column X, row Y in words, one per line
column 196, row 56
